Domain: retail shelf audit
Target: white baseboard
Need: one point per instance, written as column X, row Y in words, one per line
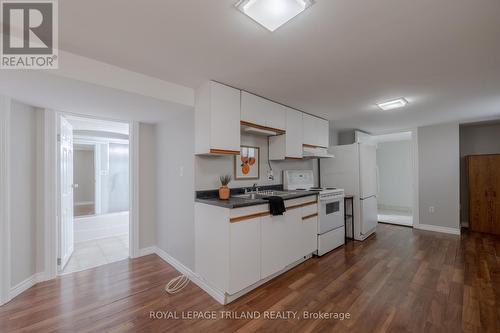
column 146, row 251
column 218, row 295
column 429, row 227
column 25, row 285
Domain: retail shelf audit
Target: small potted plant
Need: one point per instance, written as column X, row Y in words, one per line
column 224, row 190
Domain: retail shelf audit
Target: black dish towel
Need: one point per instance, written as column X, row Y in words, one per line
column 276, row 205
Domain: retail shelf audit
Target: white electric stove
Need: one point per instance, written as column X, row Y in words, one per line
column 331, row 230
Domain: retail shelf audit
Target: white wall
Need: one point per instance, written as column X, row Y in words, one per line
column 147, row 185
column 209, row 168
column 439, row 175
column 394, row 161
column 23, row 191
column 474, row 140
column 175, row 187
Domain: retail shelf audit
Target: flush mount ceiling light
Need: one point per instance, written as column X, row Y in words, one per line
column 272, row 14
column 394, row 104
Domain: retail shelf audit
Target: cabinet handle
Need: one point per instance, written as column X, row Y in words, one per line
column 309, row 216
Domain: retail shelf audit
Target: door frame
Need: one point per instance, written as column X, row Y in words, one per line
column 52, row 189
column 415, row 177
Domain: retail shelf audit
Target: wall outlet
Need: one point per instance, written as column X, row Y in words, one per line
column 181, row 171
column 270, row 175
column 431, row 209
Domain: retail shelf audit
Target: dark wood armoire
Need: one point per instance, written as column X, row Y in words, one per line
column 484, row 193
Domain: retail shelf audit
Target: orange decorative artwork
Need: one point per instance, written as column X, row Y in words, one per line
column 246, row 164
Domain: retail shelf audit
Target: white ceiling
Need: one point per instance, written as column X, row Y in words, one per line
column 336, row 60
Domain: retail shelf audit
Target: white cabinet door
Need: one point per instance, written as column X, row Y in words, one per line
column 294, row 133
column 316, row 131
column 260, row 111
column 276, row 116
column 253, row 109
column 309, row 130
column 224, row 117
column 244, row 258
column 309, row 230
column 274, row 244
column 323, row 133
column 294, row 244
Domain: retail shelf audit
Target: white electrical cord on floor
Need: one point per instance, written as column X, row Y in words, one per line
column 177, row 284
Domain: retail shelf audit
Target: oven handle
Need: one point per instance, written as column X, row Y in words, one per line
column 332, row 199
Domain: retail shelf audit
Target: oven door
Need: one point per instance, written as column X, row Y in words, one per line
column 331, row 214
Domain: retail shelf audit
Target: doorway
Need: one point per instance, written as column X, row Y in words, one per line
column 94, row 163
column 396, row 177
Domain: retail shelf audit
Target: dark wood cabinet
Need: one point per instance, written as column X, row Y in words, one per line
column 484, row 193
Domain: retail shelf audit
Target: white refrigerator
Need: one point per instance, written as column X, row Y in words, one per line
column 354, row 169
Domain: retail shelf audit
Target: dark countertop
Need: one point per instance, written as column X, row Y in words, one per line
column 212, row 197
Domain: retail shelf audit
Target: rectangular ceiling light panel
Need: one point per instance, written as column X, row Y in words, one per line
column 272, row 14
column 394, row 104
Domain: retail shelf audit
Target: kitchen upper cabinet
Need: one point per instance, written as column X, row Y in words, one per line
column 260, row 111
column 289, row 145
column 316, row 131
column 244, row 254
column 217, row 119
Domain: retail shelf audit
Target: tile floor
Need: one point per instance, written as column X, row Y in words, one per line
column 395, row 217
column 98, row 252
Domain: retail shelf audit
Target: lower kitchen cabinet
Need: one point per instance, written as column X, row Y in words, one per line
column 244, row 254
column 273, row 244
column 309, row 230
column 294, row 249
column 236, row 249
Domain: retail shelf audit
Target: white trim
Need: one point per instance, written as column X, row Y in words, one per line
column 134, row 188
column 416, row 191
column 25, row 285
column 97, row 178
column 435, row 228
column 147, row 251
column 50, row 158
column 218, row 295
column 40, row 178
column 5, row 257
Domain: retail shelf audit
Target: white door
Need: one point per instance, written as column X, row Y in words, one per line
column 66, row 244
column 367, row 170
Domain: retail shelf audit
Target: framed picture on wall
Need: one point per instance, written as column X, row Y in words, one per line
column 246, row 164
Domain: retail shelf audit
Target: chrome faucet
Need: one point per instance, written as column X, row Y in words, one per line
column 252, row 189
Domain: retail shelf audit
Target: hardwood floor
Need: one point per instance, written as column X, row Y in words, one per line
column 400, row 280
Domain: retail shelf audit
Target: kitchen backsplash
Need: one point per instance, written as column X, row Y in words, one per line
column 209, row 168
